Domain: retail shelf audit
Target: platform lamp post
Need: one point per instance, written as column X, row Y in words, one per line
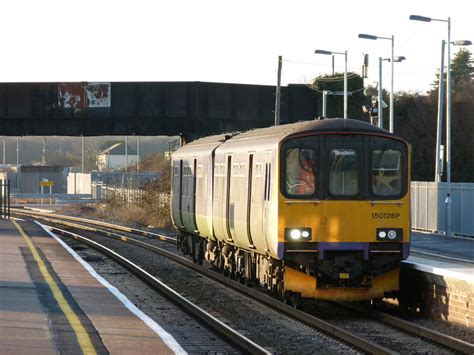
column 392, row 38
column 397, row 59
column 320, row 51
column 448, row 201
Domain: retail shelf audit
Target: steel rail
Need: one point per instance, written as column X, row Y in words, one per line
column 271, row 302
column 97, row 223
column 219, row 327
column 439, row 338
column 428, row 334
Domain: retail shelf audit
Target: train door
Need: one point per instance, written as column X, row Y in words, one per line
column 256, row 205
column 343, row 164
column 229, row 207
column 193, row 196
column 189, row 196
column 266, row 195
column 249, row 199
column 177, row 193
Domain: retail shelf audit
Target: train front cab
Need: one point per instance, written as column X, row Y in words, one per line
column 344, row 214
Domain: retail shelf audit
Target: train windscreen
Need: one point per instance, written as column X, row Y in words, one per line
column 344, row 167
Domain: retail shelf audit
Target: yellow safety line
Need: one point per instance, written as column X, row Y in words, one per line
column 82, row 336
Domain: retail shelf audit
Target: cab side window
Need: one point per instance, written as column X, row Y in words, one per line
column 300, row 175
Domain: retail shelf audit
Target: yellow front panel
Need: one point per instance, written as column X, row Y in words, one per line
column 344, row 221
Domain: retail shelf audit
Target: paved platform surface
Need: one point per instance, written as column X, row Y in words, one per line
column 455, row 247
column 24, row 326
column 49, row 303
column 447, row 257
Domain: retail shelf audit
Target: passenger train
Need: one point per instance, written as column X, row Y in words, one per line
column 317, row 209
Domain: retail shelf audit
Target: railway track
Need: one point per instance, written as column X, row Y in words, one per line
column 431, row 338
column 219, row 327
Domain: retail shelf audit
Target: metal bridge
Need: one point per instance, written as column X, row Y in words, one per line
column 190, row 109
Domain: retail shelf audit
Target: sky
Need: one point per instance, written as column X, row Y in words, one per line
column 221, row 41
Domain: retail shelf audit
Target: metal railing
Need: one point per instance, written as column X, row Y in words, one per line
column 429, row 210
column 5, row 199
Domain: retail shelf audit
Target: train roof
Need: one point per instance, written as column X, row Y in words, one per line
column 277, row 133
column 338, row 125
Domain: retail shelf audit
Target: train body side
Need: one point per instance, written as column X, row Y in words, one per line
column 229, row 191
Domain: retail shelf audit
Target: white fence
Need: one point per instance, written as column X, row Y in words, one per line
column 128, row 195
column 78, row 183
column 429, row 210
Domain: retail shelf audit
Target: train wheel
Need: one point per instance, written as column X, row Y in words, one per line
column 292, row 299
column 201, row 249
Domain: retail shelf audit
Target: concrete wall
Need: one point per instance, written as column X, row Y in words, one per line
column 78, row 183
column 429, row 210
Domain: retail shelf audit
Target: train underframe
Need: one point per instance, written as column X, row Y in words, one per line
column 341, row 276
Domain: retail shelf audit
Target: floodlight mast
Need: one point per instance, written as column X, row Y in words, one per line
column 372, row 37
column 324, row 52
column 448, row 200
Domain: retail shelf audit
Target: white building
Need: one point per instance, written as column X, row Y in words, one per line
column 112, row 156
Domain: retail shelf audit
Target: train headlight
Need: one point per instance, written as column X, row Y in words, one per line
column 392, row 234
column 389, row 234
column 296, row 234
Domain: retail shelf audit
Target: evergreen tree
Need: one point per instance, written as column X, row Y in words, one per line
column 462, row 72
column 335, row 103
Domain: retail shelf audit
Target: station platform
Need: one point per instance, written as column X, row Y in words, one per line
column 455, row 247
column 50, row 302
column 438, row 277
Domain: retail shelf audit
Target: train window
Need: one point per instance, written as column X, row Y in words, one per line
column 235, row 170
column 300, row 171
column 242, row 172
column 343, row 172
column 199, row 181
column 386, row 172
column 242, row 182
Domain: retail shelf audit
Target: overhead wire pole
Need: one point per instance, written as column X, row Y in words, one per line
column 448, row 200
column 448, row 133
column 392, row 38
column 17, row 161
column 82, row 154
column 345, row 85
column 126, row 153
column 138, row 153
column 391, row 89
column 278, row 93
column 321, row 51
column 439, row 135
column 380, row 106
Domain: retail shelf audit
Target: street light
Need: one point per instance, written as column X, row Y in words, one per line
column 372, row 37
column 462, row 43
column 320, row 51
column 397, row 59
column 448, row 112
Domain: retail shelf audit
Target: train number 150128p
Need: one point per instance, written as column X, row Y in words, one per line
column 381, row 215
